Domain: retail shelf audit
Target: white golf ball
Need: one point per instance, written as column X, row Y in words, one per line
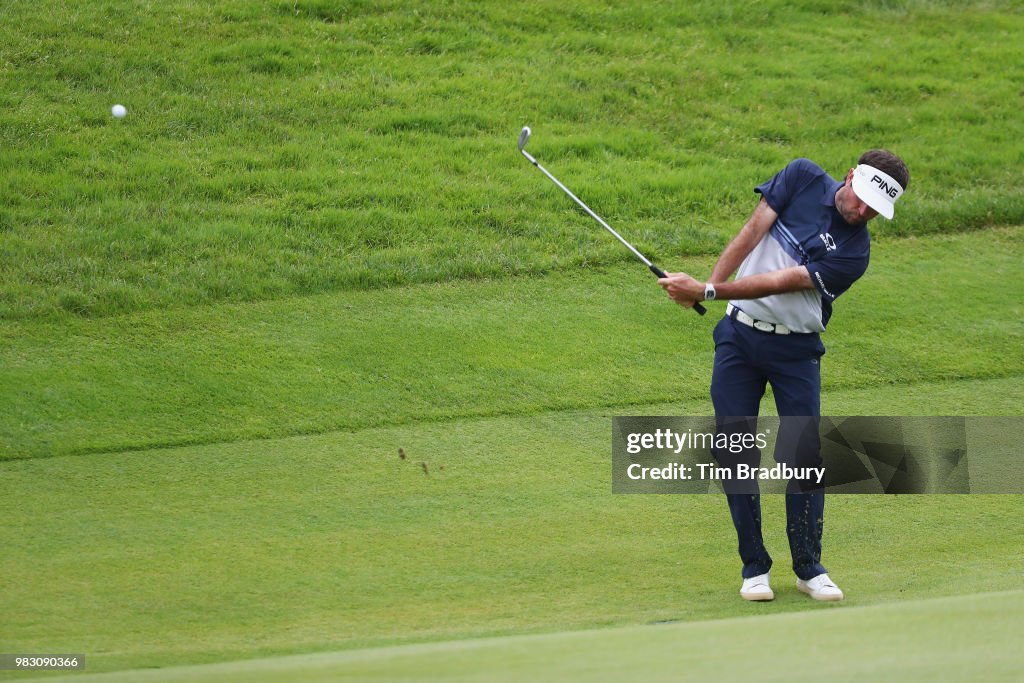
column 118, row 111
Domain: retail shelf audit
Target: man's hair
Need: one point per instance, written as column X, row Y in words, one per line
column 886, row 161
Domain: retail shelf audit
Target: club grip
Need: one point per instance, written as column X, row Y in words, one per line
column 660, row 273
column 657, row 271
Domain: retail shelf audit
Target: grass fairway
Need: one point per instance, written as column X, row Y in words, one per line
column 438, row 352
column 910, row 641
column 252, row 549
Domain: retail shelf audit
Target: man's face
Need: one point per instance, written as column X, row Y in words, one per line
column 850, row 206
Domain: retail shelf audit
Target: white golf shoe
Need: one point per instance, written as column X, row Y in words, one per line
column 820, row 588
column 757, row 588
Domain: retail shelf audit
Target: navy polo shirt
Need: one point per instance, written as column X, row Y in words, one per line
column 809, row 232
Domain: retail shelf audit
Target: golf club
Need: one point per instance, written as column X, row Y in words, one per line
column 524, row 136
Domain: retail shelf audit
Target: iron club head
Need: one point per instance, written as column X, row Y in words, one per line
column 524, row 136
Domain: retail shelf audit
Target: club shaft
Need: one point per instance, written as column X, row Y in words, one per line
column 587, row 209
column 653, row 268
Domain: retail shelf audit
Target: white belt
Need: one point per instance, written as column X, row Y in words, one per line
column 761, row 325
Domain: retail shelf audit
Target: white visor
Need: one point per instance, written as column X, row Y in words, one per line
column 876, row 188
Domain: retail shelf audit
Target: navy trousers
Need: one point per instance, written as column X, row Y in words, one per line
column 746, row 361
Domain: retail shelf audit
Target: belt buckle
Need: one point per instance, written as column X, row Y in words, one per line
column 763, row 326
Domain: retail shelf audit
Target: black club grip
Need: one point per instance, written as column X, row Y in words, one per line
column 660, row 273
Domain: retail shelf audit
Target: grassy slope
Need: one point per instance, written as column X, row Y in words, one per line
column 924, row 312
column 908, row 641
column 292, row 147
column 232, row 551
column 259, row 162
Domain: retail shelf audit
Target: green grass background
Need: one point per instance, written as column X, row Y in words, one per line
column 284, row 147
column 312, row 242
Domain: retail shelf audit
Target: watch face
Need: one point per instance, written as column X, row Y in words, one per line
column 709, row 292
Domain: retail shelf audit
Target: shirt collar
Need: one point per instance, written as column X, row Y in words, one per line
column 830, row 193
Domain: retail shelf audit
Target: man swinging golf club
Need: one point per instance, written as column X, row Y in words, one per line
column 805, row 244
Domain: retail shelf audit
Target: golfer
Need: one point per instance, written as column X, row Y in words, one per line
column 805, row 244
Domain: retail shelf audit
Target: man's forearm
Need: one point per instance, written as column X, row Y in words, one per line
column 765, row 284
column 730, row 260
column 740, row 247
column 685, row 289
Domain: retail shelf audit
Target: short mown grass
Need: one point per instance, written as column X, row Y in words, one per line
column 488, row 526
column 422, row 353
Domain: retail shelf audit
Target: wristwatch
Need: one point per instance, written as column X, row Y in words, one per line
column 709, row 292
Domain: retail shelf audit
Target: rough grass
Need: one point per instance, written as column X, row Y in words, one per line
column 279, row 148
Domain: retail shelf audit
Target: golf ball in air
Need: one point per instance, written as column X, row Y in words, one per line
column 118, row 111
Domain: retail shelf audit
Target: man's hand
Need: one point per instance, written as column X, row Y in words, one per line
column 682, row 289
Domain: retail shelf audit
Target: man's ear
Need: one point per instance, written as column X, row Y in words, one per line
column 849, row 176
